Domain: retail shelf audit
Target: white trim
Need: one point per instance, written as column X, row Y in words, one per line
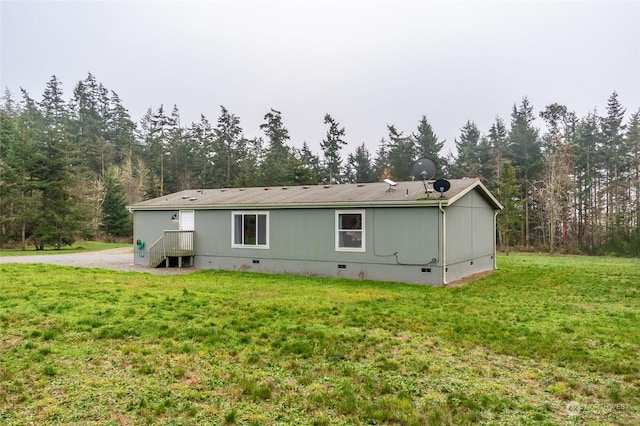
column 363, row 245
column 233, row 229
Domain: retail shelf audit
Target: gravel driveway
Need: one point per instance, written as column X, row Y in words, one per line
column 118, row 259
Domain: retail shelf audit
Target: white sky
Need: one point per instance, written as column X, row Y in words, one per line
column 367, row 63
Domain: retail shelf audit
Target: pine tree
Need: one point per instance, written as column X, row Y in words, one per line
column 250, row 173
column 309, row 170
column 176, row 171
column 525, row 154
column 154, row 137
column 57, row 223
column 498, row 140
column 428, row 146
column 381, row 160
column 279, row 165
column 587, row 168
column 115, row 217
column 613, row 152
column 467, row 164
column 401, row 154
column 90, row 148
column 228, row 144
column 633, row 146
column 9, row 178
column 361, row 169
column 507, row 191
column 120, row 131
column 331, row 146
column 202, row 138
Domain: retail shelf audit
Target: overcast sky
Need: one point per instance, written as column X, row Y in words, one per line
column 367, row 63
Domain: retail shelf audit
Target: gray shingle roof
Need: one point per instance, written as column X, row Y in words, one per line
column 309, row 196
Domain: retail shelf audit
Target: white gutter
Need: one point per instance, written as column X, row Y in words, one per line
column 495, row 240
column 444, row 244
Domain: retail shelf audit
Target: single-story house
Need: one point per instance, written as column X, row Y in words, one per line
column 400, row 232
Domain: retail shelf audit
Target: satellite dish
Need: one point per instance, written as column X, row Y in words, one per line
column 442, row 186
column 424, row 169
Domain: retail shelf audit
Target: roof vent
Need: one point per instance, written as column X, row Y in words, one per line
column 241, row 189
column 184, row 197
column 360, row 185
column 305, row 187
column 284, row 188
column 327, row 186
column 193, row 198
column 266, row 189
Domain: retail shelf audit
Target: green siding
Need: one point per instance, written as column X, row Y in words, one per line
column 149, row 226
column 401, row 242
column 469, row 229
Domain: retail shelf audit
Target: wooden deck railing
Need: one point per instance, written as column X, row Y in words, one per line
column 170, row 244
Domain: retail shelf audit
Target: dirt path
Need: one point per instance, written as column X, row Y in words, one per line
column 118, row 259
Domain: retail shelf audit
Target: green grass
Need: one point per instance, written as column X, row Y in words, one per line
column 545, row 340
column 83, row 247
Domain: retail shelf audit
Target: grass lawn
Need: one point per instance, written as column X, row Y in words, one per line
column 83, row 247
column 545, row 340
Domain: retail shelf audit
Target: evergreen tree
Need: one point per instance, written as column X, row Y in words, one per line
column 613, row 152
column 507, row 192
column 229, row 144
column 279, row 165
column 361, row 169
column 8, row 176
column 587, row 168
column 633, row 146
column 331, row 147
column 57, row 223
column 467, row 164
column 249, row 173
column 202, row 138
column 91, row 150
column 400, row 155
column 176, row 172
column 428, row 146
column 381, row 160
column 115, row 217
column 498, row 140
column 24, row 198
column 154, row 135
column 309, row 170
column 120, row 131
column 485, row 158
column 525, row 154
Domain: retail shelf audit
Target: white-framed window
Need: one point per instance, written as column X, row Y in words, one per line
column 250, row 229
column 350, row 230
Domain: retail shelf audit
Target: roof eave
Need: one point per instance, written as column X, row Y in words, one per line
column 485, row 192
column 262, row 206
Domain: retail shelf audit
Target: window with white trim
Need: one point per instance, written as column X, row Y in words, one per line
column 350, row 230
column 250, row 230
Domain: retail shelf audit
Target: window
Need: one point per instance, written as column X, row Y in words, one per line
column 350, row 230
column 250, row 229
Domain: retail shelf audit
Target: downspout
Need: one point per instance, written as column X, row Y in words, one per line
column 495, row 239
column 444, row 244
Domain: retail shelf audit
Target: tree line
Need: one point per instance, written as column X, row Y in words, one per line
column 69, row 167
